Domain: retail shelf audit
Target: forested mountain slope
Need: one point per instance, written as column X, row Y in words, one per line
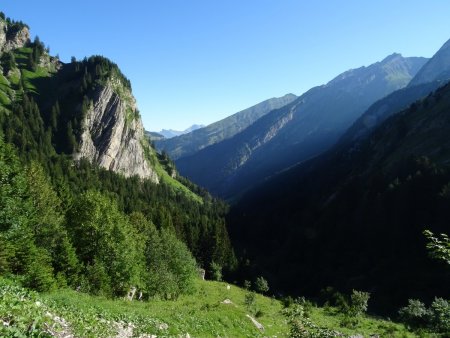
column 353, row 218
column 85, row 201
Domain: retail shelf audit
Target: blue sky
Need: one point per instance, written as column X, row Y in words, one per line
column 199, row 61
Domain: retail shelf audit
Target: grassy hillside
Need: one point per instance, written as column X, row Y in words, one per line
column 202, row 314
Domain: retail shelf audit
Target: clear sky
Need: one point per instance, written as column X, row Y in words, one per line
column 197, row 61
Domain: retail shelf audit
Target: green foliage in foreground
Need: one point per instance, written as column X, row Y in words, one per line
column 205, row 313
column 91, row 245
column 436, row 317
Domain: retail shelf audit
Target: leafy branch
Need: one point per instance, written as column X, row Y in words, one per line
column 438, row 246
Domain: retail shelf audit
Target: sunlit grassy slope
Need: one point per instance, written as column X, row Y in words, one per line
column 202, row 314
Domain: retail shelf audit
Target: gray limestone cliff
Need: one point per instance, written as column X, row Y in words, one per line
column 113, row 134
column 12, row 36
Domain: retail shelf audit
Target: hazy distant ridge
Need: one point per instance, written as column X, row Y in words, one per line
column 188, row 144
column 299, row 130
column 169, row 133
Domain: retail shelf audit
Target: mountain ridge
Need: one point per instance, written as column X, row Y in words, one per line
column 428, row 79
column 190, row 143
column 312, row 123
column 106, row 127
column 436, row 69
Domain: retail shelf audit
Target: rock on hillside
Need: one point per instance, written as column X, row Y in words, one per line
column 113, row 134
column 13, row 35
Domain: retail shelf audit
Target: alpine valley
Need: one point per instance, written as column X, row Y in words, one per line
column 295, row 132
column 336, row 217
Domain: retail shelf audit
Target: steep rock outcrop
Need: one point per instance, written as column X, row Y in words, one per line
column 12, row 36
column 113, row 135
column 3, row 30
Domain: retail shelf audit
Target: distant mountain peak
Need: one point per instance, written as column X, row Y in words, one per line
column 169, row 133
column 395, row 68
column 290, row 96
column 390, row 58
column 193, row 127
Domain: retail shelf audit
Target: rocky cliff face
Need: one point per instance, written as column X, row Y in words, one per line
column 12, row 36
column 113, row 135
column 2, row 34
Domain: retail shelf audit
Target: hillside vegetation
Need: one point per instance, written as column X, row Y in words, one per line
column 216, row 309
column 101, row 237
column 76, row 224
column 361, row 221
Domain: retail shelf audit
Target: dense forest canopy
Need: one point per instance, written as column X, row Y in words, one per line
column 358, row 213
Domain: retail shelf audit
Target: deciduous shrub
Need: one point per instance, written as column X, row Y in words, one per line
column 215, row 271
column 414, row 314
column 261, row 285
